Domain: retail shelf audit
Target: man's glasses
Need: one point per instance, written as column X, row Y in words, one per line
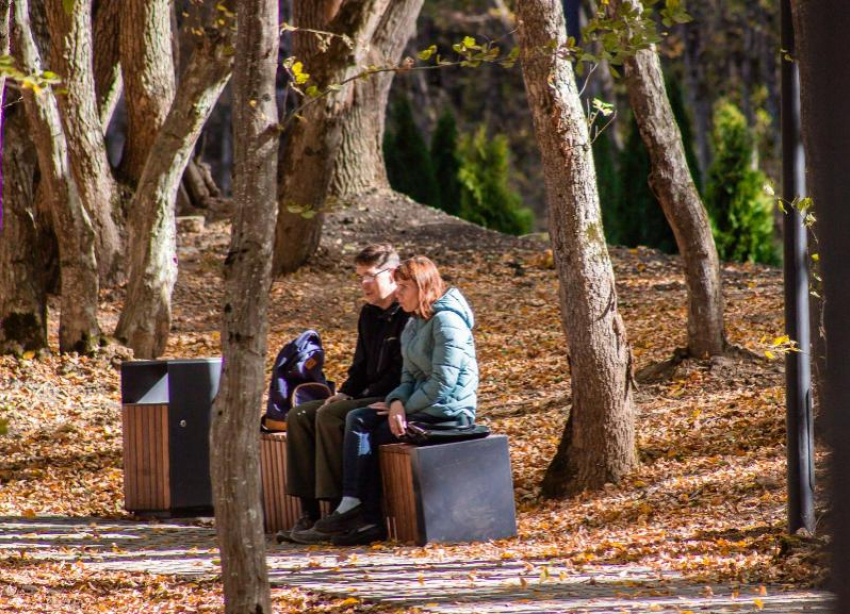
column 370, row 277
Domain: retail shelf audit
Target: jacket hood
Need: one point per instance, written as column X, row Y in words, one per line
column 454, row 301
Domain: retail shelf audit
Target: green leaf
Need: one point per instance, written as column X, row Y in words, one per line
column 605, row 108
column 509, row 61
column 4, row 426
column 469, row 42
column 68, row 5
column 313, row 92
column 426, row 54
column 298, row 73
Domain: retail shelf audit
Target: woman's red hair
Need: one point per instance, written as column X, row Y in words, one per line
column 424, row 274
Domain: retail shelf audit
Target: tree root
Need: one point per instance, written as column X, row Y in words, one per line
column 665, row 370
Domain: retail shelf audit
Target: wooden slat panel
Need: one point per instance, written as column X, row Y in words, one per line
column 129, row 461
column 162, row 449
column 399, row 498
column 280, row 509
column 146, row 465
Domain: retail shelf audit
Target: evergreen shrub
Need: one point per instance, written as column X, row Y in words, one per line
column 740, row 209
column 485, row 197
column 407, row 157
column 446, row 162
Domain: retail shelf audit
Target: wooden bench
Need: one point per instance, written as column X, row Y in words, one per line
column 458, row 492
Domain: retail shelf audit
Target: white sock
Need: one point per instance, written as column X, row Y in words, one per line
column 347, row 503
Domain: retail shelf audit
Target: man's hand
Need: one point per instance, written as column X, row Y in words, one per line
column 383, row 408
column 397, row 418
column 339, row 396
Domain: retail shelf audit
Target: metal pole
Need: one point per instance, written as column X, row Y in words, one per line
column 798, row 378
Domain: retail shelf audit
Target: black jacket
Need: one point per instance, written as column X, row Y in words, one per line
column 376, row 369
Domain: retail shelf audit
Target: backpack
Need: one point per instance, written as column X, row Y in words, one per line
column 296, row 378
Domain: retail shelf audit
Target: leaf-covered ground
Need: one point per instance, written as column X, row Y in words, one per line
column 708, row 498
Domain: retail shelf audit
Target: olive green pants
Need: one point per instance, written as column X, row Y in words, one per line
column 314, row 447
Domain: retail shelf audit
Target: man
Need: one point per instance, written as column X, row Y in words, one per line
column 316, row 429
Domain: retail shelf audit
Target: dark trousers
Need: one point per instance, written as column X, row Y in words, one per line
column 314, row 447
column 365, row 432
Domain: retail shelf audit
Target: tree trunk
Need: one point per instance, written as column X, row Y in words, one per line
column 674, row 187
column 107, row 69
column 78, row 327
column 200, row 188
column 146, row 319
column 312, row 146
column 23, row 296
column 359, row 163
column 598, row 445
column 820, row 30
column 23, row 299
column 235, row 438
column 147, row 65
column 71, row 57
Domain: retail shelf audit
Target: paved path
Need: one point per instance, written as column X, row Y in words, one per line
column 439, row 584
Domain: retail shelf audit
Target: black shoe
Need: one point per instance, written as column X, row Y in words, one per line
column 359, row 536
column 310, row 536
column 339, row 523
column 302, row 524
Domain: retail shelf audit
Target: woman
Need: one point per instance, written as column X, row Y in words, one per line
column 439, row 380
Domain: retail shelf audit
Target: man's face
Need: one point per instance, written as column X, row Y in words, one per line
column 377, row 284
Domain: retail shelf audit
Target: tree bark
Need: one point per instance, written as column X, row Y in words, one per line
column 313, row 144
column 235, row 437
column 672, row 183
column 598, row 445
column 71, row 57
column 147, row 66
column 359, row 163
column 146, row 319
column 23, row 299
column 107, row 68
column 78, row 327
column 820, row 36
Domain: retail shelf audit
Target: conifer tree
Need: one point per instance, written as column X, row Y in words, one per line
column 486, row 198
column 446, row 162
column 407, row 157
column 735, row 196
column 608, row 183
column 640, row 218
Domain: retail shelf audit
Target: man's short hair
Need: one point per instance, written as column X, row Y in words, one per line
column 378, row 255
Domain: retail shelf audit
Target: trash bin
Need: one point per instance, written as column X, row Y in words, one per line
column 166, row 413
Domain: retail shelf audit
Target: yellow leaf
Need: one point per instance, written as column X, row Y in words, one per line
column 350, row 601
column 769, row 354
column 759, row 603
column 762, row 590
column 781, row 340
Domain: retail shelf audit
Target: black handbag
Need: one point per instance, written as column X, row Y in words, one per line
column 422, row 434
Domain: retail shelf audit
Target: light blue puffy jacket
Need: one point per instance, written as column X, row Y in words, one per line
column 439, row 375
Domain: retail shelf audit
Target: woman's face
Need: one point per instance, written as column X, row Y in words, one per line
column 407, row 294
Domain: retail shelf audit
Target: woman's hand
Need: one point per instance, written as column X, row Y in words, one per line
column 397, row 418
